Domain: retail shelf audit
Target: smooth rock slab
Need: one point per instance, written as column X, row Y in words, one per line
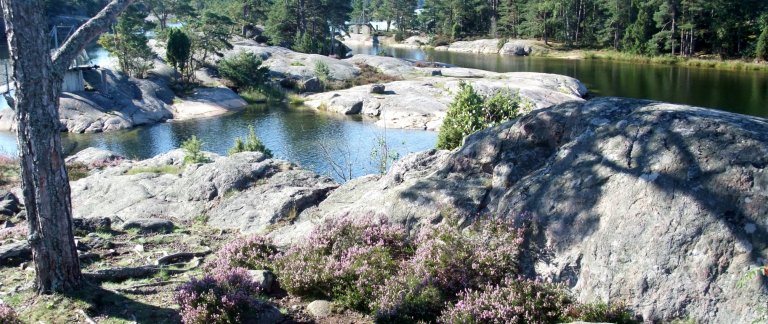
column 9, row 204
column 149, row 225
column 15, row 253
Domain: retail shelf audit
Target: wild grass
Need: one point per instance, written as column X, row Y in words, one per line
column 165, row 169
column 736, row 65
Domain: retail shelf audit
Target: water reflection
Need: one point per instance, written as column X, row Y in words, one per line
column 744, row 92
column 292, row 133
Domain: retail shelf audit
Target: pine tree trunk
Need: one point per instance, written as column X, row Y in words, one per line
column 38, row 80
column 44, row 175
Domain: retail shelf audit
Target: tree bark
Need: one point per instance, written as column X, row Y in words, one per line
column 38, row 80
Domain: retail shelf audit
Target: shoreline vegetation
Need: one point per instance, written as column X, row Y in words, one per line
column 558, row 52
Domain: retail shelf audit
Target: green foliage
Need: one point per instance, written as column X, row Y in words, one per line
column 244, row 70
column 178, row 49
column 322, row 71
column 761, row 51
column 469, row 113
column 165, row 169
column 193, row 147
column 129, row 41
column 252, row 143
column 308, row 25
column 382, row 156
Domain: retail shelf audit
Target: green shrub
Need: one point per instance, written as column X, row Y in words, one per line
column 469, row 113
column 244, row 70
column 252, row 143
column 77, row 171
column 193, row 148
column 762, row 41
column 322, row 71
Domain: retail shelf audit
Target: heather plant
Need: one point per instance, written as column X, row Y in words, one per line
column 226, row 296
column 253, row 252
column 600, row 312
column 17, row 232
column 344, row 259
column 514, row 301
column 8, row 315
column 447, row 261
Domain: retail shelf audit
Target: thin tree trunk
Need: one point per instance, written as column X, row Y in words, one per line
column 38, row 79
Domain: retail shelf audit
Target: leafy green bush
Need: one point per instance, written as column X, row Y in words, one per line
column 193, row 147
column 469, row 112
column 322, row 71
column 244, row 70
column 178, row 49
column 252, row 143
column 762, row 41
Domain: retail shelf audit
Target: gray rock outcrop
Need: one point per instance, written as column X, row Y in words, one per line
column 517, row 47
column 244, row 191
column 422, row 103
column 120, row 103
column 660, row 206
column 285, row 63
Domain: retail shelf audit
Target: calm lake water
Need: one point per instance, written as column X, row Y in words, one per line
column 299, row 135
column 308, row 137
column 744, row 92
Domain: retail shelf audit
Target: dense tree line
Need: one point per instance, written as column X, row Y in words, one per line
column 729, row 28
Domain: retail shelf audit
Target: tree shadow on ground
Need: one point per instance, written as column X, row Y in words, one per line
column 110, row 304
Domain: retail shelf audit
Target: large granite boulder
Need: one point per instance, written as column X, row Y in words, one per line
column 285, row 63
column 120, row 103
column 517, row 47
column 663, row 207
column 423, row 102
column 244, row 191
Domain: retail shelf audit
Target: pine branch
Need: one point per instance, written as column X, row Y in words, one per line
column 91, row 29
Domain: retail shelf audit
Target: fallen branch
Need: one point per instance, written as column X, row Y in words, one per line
column 122, row 274
column 153, row 284
column 181, row 257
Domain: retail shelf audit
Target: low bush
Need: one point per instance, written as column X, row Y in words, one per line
column 244, row 70
column 469, row 112
column 226, row 296
column 193, row 147
column 252, row 252
column 514, row 301
column 77, row 171
column 252, row 143
column 8, row 315
column 600, row 312
column 18, row 232
column 447, row 261
column 346, row 260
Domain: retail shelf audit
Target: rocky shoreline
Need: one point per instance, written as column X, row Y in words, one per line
column 634, row 201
